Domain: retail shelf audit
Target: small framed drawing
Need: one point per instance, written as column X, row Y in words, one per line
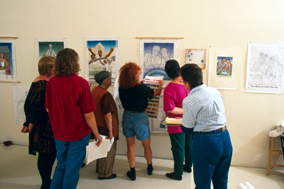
column 196, row 56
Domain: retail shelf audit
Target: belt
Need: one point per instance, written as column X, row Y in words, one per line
column 134, row 111
column 220, row 129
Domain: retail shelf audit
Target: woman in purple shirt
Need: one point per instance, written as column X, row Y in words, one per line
column 181, row 142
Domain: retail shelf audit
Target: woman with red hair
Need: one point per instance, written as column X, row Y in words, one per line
column 134, row 97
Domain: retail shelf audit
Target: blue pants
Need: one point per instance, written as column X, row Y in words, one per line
column 70, row 157
column 212, row 154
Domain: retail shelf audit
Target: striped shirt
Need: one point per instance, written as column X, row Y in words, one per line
column 203, row 109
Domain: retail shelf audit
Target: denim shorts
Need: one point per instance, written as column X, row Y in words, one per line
column 136, row 124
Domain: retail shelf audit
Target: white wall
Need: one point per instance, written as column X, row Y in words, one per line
column 202, row 23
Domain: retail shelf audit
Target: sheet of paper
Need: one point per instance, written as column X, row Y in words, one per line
column 94, row 152
column 110, row 144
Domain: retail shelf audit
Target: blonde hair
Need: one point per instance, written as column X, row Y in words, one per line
column 45, row 64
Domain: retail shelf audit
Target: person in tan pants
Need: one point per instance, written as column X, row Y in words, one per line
column 107, row 121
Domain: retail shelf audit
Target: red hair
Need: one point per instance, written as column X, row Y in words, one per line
column 127, row 78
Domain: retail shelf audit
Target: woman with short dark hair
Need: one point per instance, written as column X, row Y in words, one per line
column 181, row 142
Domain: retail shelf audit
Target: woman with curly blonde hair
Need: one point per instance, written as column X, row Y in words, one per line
column 134, row 97
column 70, row 105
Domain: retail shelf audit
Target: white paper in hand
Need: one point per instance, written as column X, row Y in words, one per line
column 110, row 144
column 94, row 152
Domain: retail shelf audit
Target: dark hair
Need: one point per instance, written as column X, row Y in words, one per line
column 101, row 77
column 192, row 74
column 66, row 62
column 172, row 68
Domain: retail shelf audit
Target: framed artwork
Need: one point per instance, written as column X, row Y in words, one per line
column 102, row 53
column 48, row 46
column 8, row 71
column 265, row 68
column 224, row 67
column 196, row 56
column 154, row 53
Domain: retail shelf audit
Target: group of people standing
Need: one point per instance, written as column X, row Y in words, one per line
column 62, row 112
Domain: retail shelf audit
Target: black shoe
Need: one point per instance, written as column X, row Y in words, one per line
column 150, row 169
column 187, row 169
column 132, row 176
column 174, row 176
column 83, row 165
column 110, row 177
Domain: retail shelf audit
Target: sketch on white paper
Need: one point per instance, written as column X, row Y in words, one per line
column 118, row 103
column 265, row 68
column 20, row 94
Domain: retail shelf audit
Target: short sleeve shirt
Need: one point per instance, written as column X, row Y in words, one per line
column 68, row 98
column 136, row 98
column 203, row 109
column 174, row 94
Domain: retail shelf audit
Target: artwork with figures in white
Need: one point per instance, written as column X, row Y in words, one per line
column 154, row 53
column 20, row 94
column 49, row 47
column 101, row 54
column 265, row 68
column 7, row 60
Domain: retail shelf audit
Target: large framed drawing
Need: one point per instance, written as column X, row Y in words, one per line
column 154, row 53
column 265, row 68
column 49, row 46
column 102, row 53
column 196, row 56
column 224, row 67
column 8, row 71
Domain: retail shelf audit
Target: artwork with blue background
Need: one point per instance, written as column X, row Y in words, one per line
column 155, row 57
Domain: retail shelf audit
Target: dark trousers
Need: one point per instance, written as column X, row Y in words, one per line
column 182, row 150
column 212, row 154
column 45, row 163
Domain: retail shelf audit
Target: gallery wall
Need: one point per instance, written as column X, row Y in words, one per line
column 202, row 24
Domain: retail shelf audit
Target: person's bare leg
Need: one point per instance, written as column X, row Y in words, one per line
column 148, row 154
column 130, row 151
column 131, row 157
column 147, row 150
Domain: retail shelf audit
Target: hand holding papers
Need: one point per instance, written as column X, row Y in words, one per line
column 94, row 152
column 173, row 121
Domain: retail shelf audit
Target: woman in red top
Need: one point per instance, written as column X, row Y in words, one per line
column 70, row 105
